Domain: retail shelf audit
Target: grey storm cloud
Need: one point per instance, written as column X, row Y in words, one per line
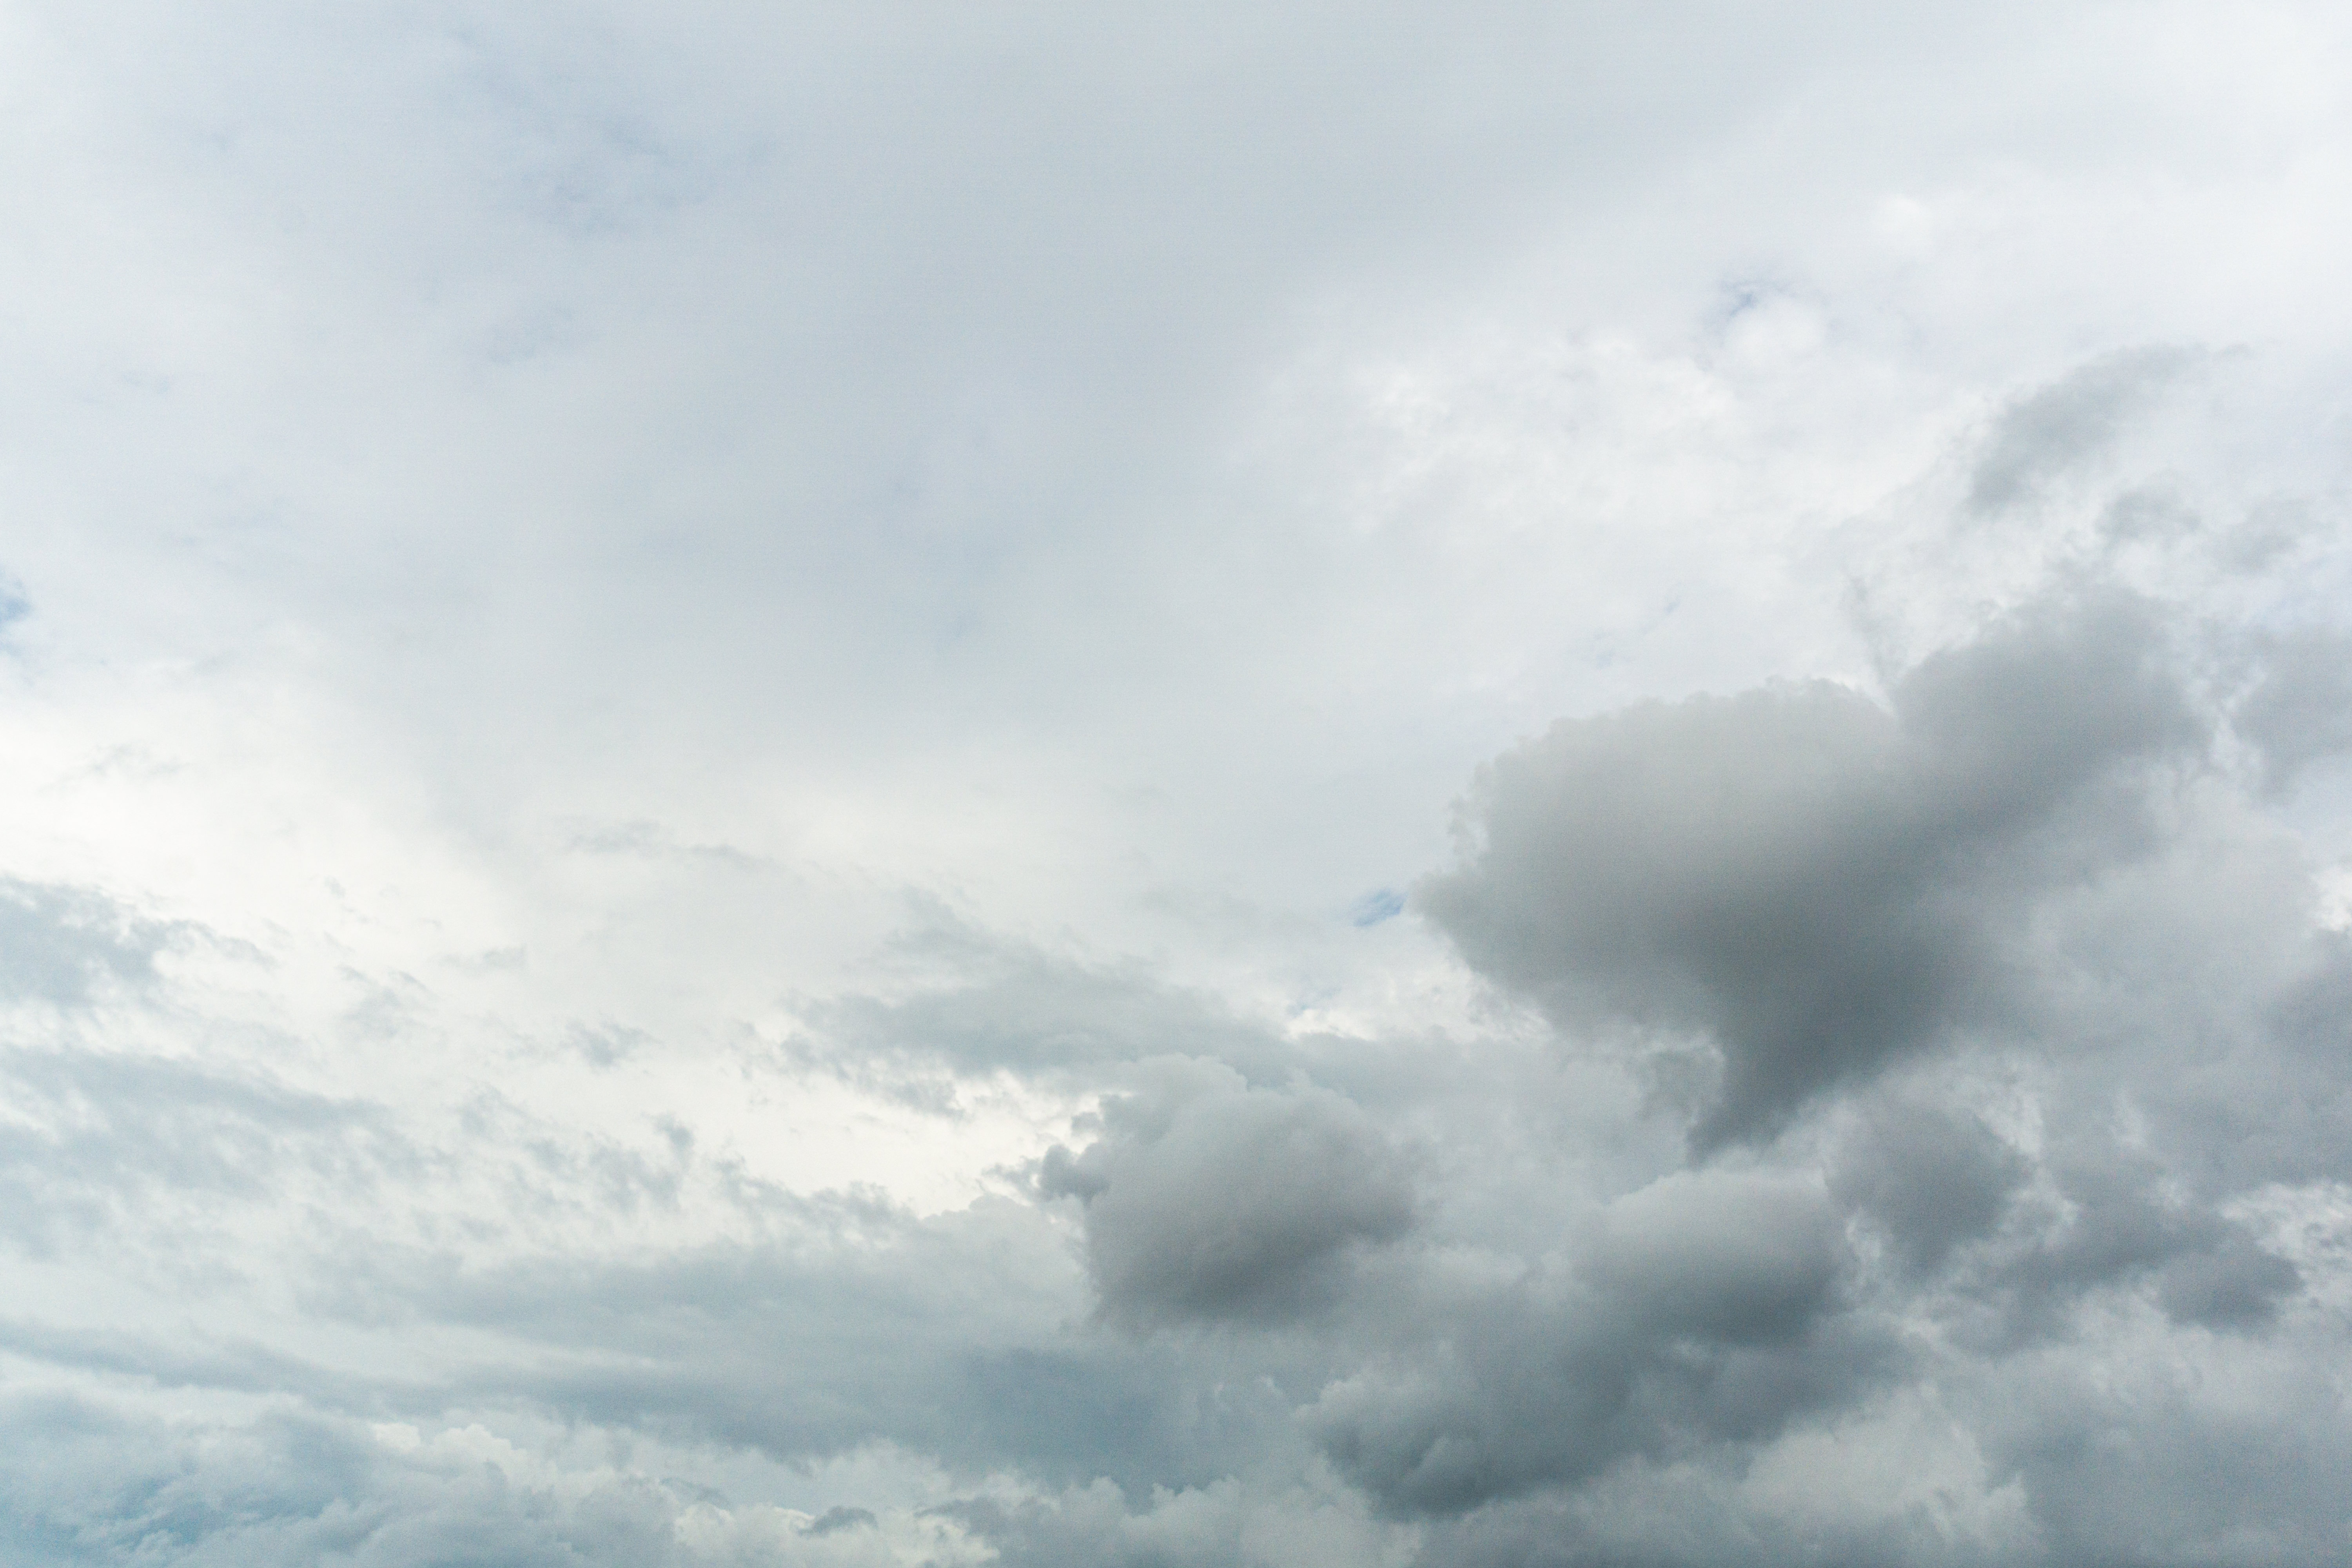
column 2120, row 1223
column 1709, row 1307
column 1206, row 1199
column 1816, row 883
column 1930, row 1178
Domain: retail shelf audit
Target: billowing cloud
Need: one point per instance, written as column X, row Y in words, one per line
column 1929, row 1178
column 1813, row 882
column 1708, row 1307
column 1207, row 1199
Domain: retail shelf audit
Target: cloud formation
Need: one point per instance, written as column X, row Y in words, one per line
column 727, row 740
column 1207, row 1199
column 1813, row 882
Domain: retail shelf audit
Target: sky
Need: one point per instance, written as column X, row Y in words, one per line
column 1160, row 786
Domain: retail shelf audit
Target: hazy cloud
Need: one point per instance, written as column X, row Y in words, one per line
column 2058, row 427
column 2300, row 712
column 63, row 944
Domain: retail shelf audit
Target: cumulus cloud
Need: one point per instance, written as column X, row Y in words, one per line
column 1706, row 1307
column 1930, row 1177
column 1816, row 883
column 1206, row 1199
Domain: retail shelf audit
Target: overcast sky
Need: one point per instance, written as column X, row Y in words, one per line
column 1095, row 786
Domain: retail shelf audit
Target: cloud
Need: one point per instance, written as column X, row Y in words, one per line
column 1727, row 1260
column 1814, row 883
column 116, row 1482
column 552, row 534
column 981, row 1005
column 1706, row 1309
column 2059, row 427
column 1930, row 1177
column 1207, row 1200
column 2300, row 711
column 99, row 1143
column 66, row 945
column 2124, row 1463
column 848, row 1325
column 2119, row 1225
column 2022, row 1038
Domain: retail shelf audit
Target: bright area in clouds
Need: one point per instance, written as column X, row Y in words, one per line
column 865, row 785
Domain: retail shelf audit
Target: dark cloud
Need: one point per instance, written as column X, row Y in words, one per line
column 2119, row 1226
column 840, row 1518
column 1707, row 1309
column 2029, row 859
column 1928, row 1177
column 1815, row 883
column 1208, row 1200
column 2126, row 1464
